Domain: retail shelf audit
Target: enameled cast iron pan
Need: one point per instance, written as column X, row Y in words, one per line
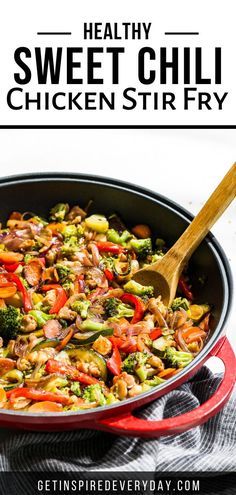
column 38, row 193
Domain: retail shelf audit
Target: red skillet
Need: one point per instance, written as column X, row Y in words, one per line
column 38, row 192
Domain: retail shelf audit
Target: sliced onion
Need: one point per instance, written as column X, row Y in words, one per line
column 95, row 253
column 83, row 257
column 98, row 276
column 44, row 380
column 20, row 347
column 181, row 341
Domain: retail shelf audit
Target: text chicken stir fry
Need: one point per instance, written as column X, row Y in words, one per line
column 76, row 331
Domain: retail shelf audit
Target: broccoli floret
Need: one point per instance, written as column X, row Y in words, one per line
column 58, row 212
column 68, row 286
column 10, row 320
column 72, row 231
column 81, row 307
column 113, row 236
column 136, row 363
column 180, row 302
column 134, row 359
column 40, row 220
column 41, row 317
column 62, row 271
column 138, row 290
column 108, row 262
column 70, row 247
column 114, row 308
column 142, row 247
column 94, row 393
column 156, row 256
column 28, row 257
column 177, row 359
column 69, row 231
column 75, row 388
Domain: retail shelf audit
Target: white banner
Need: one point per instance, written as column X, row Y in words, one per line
column 103, row 63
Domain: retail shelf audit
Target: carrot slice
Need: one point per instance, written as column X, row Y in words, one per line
column 55, row 227
column 10, row 257
column 3, row 397
column 7, row 291
column 195, row 332
column 65, row 340
column 142, row 337
column 45, row 406
column 167, row 372
column 142, row 231
column 195, row 337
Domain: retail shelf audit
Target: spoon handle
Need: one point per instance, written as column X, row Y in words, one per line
column 220, row 199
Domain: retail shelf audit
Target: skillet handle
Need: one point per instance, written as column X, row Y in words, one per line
column 127, row 424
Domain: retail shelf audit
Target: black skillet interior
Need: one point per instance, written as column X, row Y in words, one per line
column 39, row 192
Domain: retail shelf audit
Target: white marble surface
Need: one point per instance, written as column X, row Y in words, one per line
column 184, row 165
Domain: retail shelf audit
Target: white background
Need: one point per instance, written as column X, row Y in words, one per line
column 214, row 20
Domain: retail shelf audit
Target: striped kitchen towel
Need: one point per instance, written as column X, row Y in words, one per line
column 210, row 447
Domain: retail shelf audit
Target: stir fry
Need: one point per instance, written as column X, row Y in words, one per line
column 76, row 332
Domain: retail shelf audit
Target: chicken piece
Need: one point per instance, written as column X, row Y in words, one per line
column 120, row 389
column 88, row 368
column 6, row 365
column 156, row 362
column 67, row 314
column 23, row 364
column 102, row 345
column 159, row 310
column 51, row 256
column 75, row 212
column 41, row 356
column 123, row 385
column 135, row 390
column 28, row 324
column 50, row 298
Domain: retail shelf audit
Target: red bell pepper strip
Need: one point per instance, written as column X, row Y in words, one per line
column 123, row 344
column 10, row 257
column 110, row 247
column 36, row 394
column 183, row 286
column 116, row 341
column 114, row 363
column 73, row 374
column 61, row 297
column 47, row 287
column 60, row 301
column 128, row 348
column 155, row 333
column 11, row 267
column 138, row 305
column 12, row 277
column 109, row 275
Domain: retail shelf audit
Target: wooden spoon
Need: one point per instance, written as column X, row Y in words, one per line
column 164, row 274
